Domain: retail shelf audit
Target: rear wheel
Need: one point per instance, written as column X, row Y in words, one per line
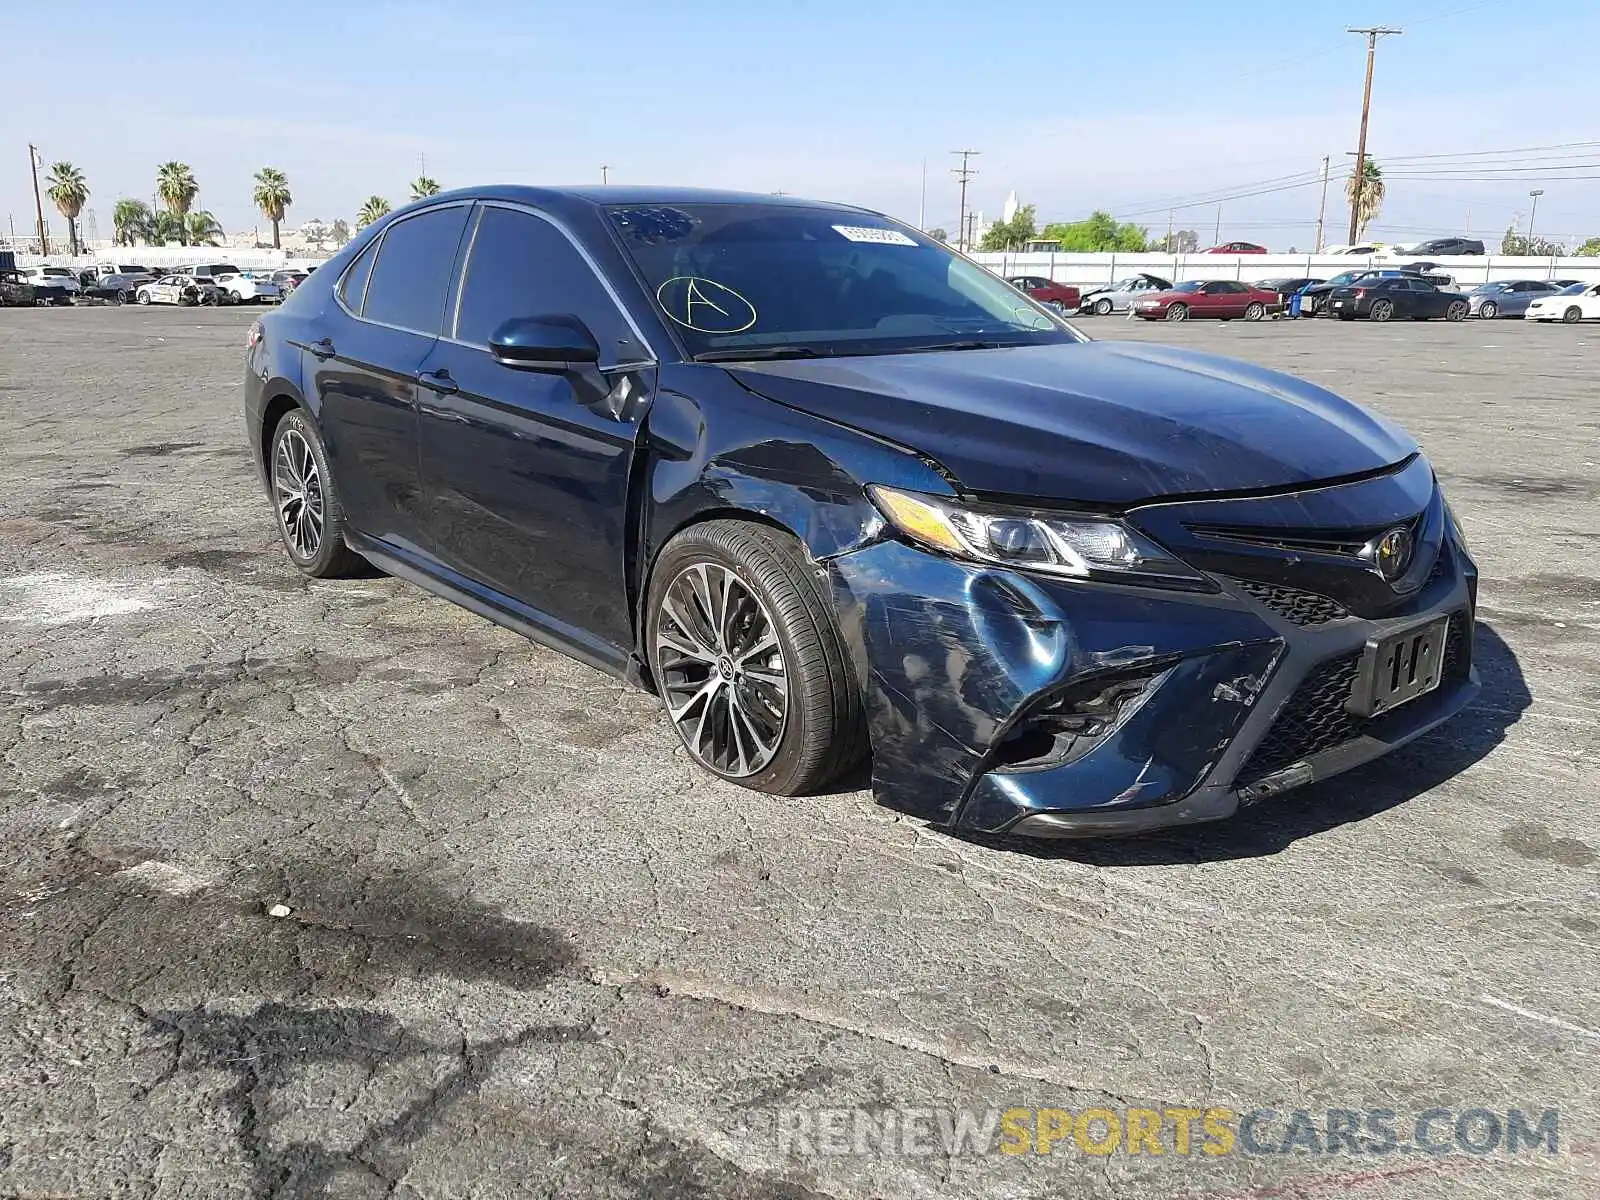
column 1254, row 311
column 1382, row 310
column 1488, row 310
column 1178, row 312
column 1572, row 316
column 749, row 661
column 310, row 517
column 1456, row 310
column 1102, row 308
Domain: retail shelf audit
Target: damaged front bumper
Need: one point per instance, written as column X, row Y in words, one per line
column 1001, row 702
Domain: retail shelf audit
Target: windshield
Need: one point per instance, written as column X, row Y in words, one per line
column 1347, row 277
column 792, row 279
column 56, row 271
column 1574, row 289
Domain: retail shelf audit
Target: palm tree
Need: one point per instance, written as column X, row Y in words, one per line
column 374, row 209
column 69, row 191
column 1371, row 194
column 422, row 187
column 176, row 186
column 202, row 229
column 130, row 221
column 272, row 197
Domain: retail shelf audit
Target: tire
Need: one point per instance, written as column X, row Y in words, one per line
column 1254, row 311
column 124, row 296
column 1456, row 310
column 144, row 297
column 294, row 441
column 768, row 584
column 1488, row 310
column 1382, row 310
column 1102, row 308
column 1572, row 316
column 1178, row 312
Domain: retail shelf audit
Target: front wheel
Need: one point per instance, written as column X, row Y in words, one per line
column 310, row 517
column 144, row 297
column 1382, row 310
column 1254, row 311
column 747, row 657
column 1178, row 312
column 1572, row 316
column 1456, row 310
column 1489, row 309
column 1102, row 308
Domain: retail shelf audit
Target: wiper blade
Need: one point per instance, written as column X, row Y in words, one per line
column 964, row 344
column 755, row 353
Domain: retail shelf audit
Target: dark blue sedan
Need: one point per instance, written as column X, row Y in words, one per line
column 829, row 489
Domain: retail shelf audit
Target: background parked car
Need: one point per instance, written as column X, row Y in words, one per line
column 1314, row 301
column 1119, row 296
column 1396, row 296
column 289, row 279
column 1062, row 297
column 178, row 289
column 1237, row 248
column 1580, row 302
column 1286, row 287
column 1443, row 246
column 1223, row 299
column 1507, row 297
column 15, row 290
column 121, row 288
column 52, row 285
column 248, row 287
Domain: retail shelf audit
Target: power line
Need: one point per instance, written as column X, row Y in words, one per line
column 964, row 172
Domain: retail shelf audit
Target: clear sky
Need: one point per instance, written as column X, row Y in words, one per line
column 1075, row 106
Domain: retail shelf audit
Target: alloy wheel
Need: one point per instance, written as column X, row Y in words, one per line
column 1254, row 311
column 297, row 489
column 1178, row 312
column 1382, row 310
column 722, row 670
column 1457, row 311
column 1488, row 310
column 1102, row 308
column 1572, row 316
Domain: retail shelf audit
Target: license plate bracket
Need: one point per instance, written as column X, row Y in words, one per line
column 1399, row 667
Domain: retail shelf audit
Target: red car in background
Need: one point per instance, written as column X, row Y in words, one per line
column 1059, row 296
column 1224, row 299
column 1237, row 248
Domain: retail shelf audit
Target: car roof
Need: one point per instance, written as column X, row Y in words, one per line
column 558, row 198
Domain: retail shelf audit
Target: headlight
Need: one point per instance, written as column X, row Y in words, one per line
column 1078, row 547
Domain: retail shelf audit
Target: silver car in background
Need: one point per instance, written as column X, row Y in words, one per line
column 1120, row 296
column 1507, row 297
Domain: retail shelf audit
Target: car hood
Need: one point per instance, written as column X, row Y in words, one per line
column 1108, row 423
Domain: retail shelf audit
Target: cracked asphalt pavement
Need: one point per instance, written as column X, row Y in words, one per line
column 332, row 888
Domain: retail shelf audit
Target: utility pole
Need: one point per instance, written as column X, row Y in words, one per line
column 1373, row 33
column 1534, row 195
column 38, row 206
column 1172, row 246
column 1216, row 237
column 1322, row 208
column 964, row 173
column 605, row 174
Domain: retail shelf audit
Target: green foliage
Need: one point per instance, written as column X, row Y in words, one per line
column 374, row 208
column 939, row 234
column 1372, row 192
column 272, row 197
column 1010, row 235
column 202, row 229
column 1100, row 232
column 1518, row 243
column 176, row 186
column 339, row 231
column 69, row 192
column 1590, row 249
column 132, row 221
column 422, row 187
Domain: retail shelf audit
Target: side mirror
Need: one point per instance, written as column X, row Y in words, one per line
column 553, row 342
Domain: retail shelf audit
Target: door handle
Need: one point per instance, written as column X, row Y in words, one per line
column 439, row 381
column 322, row 348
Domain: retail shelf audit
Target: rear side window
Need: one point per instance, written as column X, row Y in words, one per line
column 353, row 287
column 412, row 274
column 523, row 266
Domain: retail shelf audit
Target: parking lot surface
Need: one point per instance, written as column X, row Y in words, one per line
column 332, row 888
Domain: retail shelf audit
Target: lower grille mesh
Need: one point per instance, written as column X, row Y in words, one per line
column 1301, row 608
column 1315, row 718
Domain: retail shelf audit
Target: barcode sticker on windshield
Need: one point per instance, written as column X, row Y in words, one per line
column 883, row 237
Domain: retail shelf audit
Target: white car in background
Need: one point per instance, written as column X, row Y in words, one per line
column 248, row 287
column 1580, row 302
column 61, row 278
column 1120, row 296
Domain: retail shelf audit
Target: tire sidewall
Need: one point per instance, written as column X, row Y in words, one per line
column 331, row 546
column 1489, row 311
column 1254, row 311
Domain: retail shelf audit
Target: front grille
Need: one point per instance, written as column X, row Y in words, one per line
column 1315, row 718
column 1293, row 605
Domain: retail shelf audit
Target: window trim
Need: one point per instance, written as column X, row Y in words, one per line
column 459, row 283
column 377, row 247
